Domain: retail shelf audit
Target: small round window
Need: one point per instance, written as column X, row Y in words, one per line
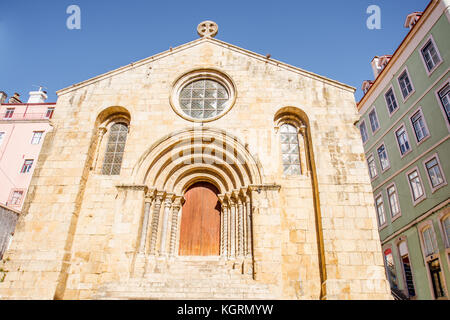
column 203, row 99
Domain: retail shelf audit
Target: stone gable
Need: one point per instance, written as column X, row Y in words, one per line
column 85, row 235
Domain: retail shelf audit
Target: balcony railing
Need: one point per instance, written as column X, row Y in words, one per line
column 25, row 116
column 398, row 294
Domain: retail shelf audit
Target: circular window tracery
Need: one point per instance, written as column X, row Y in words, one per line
column 203, row 99
column 203, row 95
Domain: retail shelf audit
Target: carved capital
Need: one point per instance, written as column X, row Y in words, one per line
column 150, row 195
column 178, row 202
column 168, row 200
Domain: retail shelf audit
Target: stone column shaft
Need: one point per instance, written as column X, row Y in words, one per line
column 222, row 240
column 249, row 227
column 166, row 213
column 240, row 229
column 224, row 236
column 232, row 229
column 155, row 224
column 173, row 233
column 147, row 207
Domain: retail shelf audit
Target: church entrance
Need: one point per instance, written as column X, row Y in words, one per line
column 200, row 221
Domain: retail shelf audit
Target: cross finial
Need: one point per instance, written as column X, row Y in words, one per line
column 207, row 29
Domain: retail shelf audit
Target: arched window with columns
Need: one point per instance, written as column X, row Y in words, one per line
column 291, row 130
column 115, row 147
column 112, row 128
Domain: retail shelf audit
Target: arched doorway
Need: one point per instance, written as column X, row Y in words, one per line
column 200, row 221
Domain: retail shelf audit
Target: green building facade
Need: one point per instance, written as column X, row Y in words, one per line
column 405, row 126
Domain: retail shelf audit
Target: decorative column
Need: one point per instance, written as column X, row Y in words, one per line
column 144, row 227
column 155, row 221
column 224, row 226
column 248, row 211
column 232, row 226
column 240, row 227
column 148, row 204
column 228, row 214
column 166, row 213
column 178, row 202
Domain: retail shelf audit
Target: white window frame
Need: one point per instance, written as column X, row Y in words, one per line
column 410, row 81
column 23, row 165
column 428, row 226
column 51, row 110
column 384, row 224
column 442, row 216
column 444, row 183
column 34, row 137
column 441, row 87
column 391, row 87
column 424, row 195
column 402, row 126
column 387, row 157
column 430, row 72
column 419, row 110
column 399, row 214
column 10, row 200
column 6, row 112
column 363, row 123
column 371, row 156
column 2, row 137
column 374, row 110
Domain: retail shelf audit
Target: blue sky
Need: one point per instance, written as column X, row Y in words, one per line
column 326, row 37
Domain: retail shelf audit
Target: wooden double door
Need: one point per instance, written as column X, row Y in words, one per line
column 200, row 221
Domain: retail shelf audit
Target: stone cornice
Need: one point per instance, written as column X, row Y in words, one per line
column 25, row 121
column 265, row 187
column 132, row 187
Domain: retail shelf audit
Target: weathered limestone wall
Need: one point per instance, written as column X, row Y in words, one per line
column 8, row 220
column 80, row 230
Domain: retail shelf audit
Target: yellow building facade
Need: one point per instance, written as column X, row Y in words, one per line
column 203, row 172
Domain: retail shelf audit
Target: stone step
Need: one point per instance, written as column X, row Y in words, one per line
column 206, row 289
column 187, row 278
column 169, row 295
column 186, row 287
column 193, row 276
column 186, row 296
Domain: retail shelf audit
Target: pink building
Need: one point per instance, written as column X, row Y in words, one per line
column 23, row 127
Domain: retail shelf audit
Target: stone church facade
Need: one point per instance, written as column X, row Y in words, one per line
column 204, row 172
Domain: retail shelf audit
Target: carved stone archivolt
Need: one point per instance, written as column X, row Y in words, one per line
column 182, row 159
